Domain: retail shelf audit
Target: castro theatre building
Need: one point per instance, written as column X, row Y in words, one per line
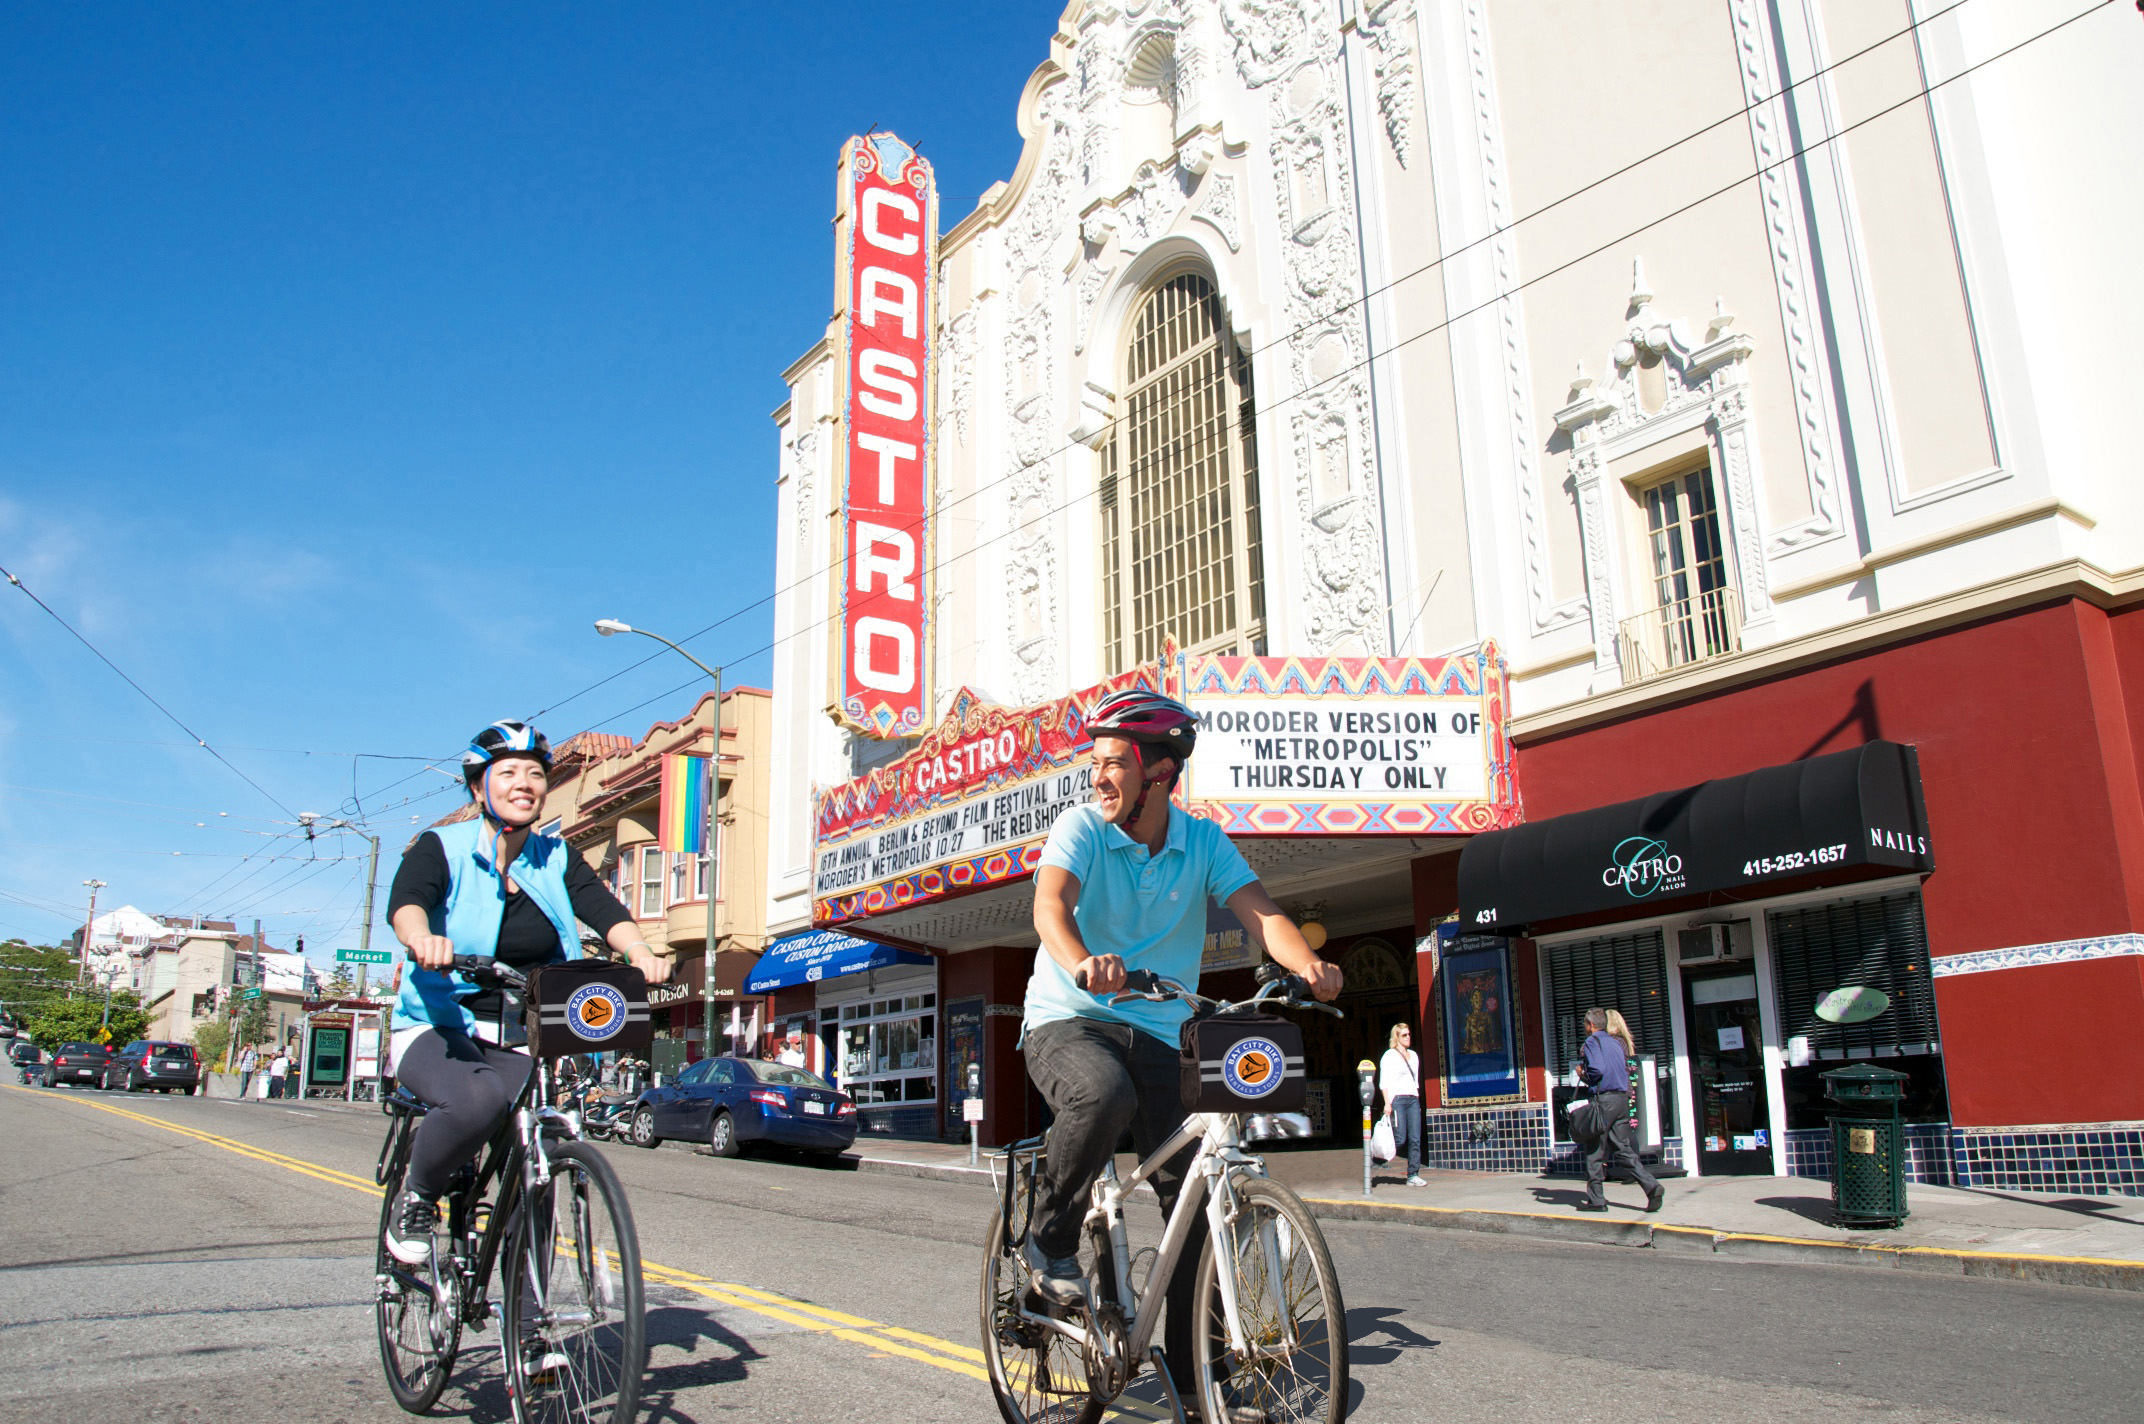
column 1725, row 611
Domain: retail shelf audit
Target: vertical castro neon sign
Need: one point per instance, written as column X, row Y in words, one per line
column 883, row 661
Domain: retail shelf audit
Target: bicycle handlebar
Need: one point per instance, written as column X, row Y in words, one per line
column 483, row 966
column 1277, row 986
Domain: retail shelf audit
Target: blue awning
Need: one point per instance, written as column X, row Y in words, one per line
column 821, row 954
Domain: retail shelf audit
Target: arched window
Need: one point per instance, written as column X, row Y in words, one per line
column 1181, row 556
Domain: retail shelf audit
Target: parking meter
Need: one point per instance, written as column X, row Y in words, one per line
column 972, row 1111
column 1366, row 1072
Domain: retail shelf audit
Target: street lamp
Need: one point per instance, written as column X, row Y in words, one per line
column 610, row 627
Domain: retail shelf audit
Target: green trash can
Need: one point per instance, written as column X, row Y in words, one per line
column 1868, row 1145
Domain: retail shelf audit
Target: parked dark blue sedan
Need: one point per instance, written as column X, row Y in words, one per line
column 728, row 1102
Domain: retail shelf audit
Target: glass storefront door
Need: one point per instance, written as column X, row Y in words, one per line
column 1732, row 1108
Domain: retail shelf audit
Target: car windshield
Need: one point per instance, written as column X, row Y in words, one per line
column 80, row 1048
column 174, row 1050
column 784, row 1076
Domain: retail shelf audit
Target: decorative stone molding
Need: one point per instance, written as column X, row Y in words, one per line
column 1218, row 209
column 803, row 453
column 2034, row 956
column 1702, row 384
column 1514, row 381
column 1092, row 279
column 1788, row 245
column 956, row 387
column 1331, row 469
column 1384, row 27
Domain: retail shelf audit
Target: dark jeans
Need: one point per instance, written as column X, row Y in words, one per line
column 469, row 1087
column 1614, row 1148
column 1100, row 1078
column 1407, row 1132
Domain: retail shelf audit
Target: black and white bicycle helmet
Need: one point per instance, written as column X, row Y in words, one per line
column 1147, row 718
column 502, row 739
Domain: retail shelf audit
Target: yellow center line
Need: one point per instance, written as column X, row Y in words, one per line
column 855, row 1329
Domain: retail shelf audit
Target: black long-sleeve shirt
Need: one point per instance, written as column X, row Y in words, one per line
column 526, row 935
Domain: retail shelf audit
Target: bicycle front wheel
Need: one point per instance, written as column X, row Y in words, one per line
column 575, row 1329
column 419, row 1325
column 1292, row 1364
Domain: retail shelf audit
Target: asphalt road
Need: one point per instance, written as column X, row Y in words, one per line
column 222, row 1272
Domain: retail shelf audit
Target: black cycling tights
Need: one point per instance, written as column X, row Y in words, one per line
column 469, row 1087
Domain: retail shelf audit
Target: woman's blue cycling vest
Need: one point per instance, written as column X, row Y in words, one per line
column 475, row 907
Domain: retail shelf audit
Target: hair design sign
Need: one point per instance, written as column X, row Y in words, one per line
column 1351, row 746
column 968, row 808
column 882, row 660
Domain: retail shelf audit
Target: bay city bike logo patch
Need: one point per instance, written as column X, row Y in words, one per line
column 1253, row 1067
column 596, row 1012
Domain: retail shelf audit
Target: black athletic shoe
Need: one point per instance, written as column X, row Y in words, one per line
column 1057, row 1279
column 409, row 1229
column 1593, row 1206
column 1656, row 1198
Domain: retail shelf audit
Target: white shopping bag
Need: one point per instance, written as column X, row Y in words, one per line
column 1381, row 1147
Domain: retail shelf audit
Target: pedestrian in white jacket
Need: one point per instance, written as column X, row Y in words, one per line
column 1399, row 1078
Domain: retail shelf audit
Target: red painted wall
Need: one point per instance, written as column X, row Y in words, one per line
column 2030, row 764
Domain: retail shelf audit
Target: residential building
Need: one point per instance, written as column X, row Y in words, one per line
column 1709, row 392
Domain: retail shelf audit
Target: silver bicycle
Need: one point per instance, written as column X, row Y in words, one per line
column 1269, row 1341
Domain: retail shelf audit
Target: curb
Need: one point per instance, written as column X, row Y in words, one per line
column 889, row 1168
column 2099, row 1272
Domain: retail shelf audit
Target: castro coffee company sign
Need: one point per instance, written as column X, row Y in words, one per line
column 880, row 680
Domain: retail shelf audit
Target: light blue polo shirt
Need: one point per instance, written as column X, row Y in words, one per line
column 1150, row 910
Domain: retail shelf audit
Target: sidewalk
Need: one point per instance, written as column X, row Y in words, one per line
column 2071, row 1240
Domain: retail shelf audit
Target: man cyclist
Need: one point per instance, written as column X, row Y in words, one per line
column 484, row 886
column 1123, row 885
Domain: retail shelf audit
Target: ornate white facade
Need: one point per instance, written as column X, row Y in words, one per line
column 1497, row 265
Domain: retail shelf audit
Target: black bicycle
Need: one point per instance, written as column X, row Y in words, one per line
column 547, row 1208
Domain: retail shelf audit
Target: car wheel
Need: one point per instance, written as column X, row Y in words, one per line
column 722, row 1136
column 644, row 1129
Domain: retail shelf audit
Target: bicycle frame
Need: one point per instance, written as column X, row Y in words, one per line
column 1208, row 1186
column 516, row 1159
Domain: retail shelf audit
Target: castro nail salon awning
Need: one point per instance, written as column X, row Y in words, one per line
column 821, row 954
column 1804, row 822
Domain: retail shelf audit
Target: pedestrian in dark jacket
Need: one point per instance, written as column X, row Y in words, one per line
column 1603, row 1069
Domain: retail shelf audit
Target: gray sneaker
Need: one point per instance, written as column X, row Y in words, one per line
column 1057, row 1279
column 409, row 1230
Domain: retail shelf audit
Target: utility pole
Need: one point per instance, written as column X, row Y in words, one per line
column 89, row 930
column 364, row 931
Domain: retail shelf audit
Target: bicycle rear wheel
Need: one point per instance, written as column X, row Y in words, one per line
column 420, row 1328
column 1293, row 1369
column 575, row 1331
column 1037, row 1375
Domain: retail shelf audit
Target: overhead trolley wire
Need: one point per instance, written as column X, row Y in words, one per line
column 1310, row 324
column 173, row 717
column 1917, row 95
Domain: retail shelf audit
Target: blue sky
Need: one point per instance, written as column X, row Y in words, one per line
column 353, row 360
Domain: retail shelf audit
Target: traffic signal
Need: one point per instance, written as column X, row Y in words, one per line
column 301, row 944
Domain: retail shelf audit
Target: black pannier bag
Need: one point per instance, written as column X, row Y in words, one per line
column 588, row 1006
column 1240, row 1064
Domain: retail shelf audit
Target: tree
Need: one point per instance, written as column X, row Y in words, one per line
column 78, row 1020
column 32, row 975
column 212, row 1039
column 253, row 1023
column 342, row 984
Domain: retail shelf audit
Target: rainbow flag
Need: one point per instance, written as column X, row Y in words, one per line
column 681, row 818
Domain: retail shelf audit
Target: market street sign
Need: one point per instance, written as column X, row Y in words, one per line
column 364, row 956
column 251, row 993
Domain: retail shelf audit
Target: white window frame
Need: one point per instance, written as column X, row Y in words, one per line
column 873, row 1017
column 650, row 884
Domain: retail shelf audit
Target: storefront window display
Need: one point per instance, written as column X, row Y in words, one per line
column 1854, row 984
column 1480, row 1048
column 889, row 1049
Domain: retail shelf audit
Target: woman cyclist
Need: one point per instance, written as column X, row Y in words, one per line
column 484, row 886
